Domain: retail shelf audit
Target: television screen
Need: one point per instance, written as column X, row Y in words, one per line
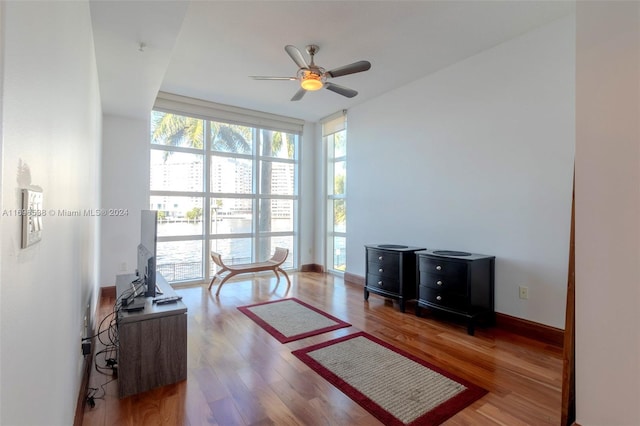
column 147, row 250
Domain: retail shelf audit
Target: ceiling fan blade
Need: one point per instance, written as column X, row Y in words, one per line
column 299, row 94
column 262, row 77
column 296, row 56
column 344, row 91
column 350, row 69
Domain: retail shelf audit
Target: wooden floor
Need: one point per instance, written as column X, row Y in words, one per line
column 238, row 374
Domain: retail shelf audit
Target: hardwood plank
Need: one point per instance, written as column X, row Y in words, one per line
column 239, row 374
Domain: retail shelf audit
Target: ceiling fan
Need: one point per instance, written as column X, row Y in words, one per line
column 312, row 77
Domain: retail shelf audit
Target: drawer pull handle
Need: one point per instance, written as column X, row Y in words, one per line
column 439, row 282
column 439, row 268
column 438, row 297
column 380, row 270
column 380, row 283
column 379, row 257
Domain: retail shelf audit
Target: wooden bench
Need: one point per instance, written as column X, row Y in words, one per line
column 273, row 264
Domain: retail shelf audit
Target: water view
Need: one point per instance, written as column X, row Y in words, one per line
column 183, row 260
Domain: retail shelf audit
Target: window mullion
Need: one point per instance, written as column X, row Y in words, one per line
column 206, row 185
column 256, row 192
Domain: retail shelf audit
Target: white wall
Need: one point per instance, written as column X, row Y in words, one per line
column 125, row 185
column 309, row 214
column 608, row 213
column 51, row 139
column 476, row 157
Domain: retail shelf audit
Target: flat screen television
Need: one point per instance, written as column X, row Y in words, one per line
column 147, row 251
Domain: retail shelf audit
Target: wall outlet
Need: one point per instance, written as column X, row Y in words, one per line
column 524, row 292
column 86, row 347
column 123, row 266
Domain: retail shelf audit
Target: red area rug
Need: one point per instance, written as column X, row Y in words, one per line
column 291, row 319
column 396, row 387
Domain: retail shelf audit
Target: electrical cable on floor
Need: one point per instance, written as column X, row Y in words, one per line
column 91, row 395
column 108, row 336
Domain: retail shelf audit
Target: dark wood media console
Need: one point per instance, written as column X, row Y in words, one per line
column 152, row 349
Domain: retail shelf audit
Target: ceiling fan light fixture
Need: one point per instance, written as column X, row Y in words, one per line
column 313, row 77
column 311, row 84
column 311, row 81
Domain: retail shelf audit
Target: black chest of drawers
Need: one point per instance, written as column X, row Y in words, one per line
column 391, row 272
column 458, row 283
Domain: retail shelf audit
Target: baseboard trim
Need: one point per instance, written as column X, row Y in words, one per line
column 540, row 332
column 353, row 279
column 312, row 267
column 533, row 330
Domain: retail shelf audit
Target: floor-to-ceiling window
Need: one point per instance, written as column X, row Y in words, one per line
column 221, row 184
column 334, row 136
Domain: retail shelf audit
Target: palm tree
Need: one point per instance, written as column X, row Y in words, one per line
column 177, row 130
column 339, row 211
column 231, row 138
column 264, row 212
column 271, row 143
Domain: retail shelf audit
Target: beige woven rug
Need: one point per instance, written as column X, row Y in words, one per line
column 291, row 319
column 393, row 385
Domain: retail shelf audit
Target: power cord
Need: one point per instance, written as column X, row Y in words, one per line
column 91, row 402
column 92, row 394
column 108, row 336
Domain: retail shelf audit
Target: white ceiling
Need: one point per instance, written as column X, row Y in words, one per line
column 207, row 49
